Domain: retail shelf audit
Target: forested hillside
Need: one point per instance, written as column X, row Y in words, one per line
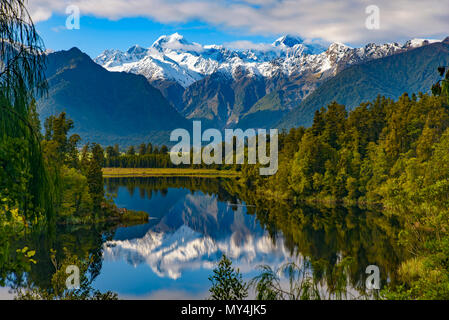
column 412, row 72
column 385, row 152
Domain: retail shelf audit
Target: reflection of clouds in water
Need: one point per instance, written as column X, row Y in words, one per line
column 6, row 294
column 166, row 294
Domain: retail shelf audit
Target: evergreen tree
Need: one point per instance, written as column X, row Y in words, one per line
column 116, row 150
column 442, row 87
column 164, row 149
column 73, row 153
column 131, row 151
column 95, row 177
column 149, row 148
column 227, row 283
column 142, row 149
column 85, row 159
column 110, row 152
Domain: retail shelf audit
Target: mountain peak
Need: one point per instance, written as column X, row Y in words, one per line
column 338, row 46
column 136, row 50
column 135, row 47
column 74, row 53
column 173, row 38
column 175, row 42
column 75, row 50
column 288, row 41
column 415, row 43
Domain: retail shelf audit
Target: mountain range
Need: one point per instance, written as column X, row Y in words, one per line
column 242, row 88
column 410, row 72
column 144, row 93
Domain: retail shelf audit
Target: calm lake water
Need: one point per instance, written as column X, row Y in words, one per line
column 194, row 221
column 189, row 230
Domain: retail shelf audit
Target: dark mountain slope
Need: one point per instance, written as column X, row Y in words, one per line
column 107, row 107
column 266, row 112
column 412, row 72
column 219, row 100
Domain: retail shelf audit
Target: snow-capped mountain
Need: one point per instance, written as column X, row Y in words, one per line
column 227, row 87
column 175, row 58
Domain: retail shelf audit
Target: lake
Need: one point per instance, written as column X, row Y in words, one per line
column 194, row 221
column 190, row 228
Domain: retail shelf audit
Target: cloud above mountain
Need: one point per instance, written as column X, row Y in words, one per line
column 312, row 19
column 248, row 45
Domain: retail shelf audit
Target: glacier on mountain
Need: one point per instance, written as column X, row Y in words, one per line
column 173, row 58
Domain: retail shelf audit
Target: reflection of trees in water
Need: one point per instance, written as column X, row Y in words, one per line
column 323, row 236
column 328, row 236
column 224, row 189
column 80, row 241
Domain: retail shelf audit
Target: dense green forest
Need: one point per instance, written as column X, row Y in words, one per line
column 390, row 153
column 152, row 156
column 144, row 156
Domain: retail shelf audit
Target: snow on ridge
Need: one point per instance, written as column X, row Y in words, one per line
column 416, row 42
column 173, row 57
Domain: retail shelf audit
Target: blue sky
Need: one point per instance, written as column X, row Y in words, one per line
column 123, row 23
column 98, row 34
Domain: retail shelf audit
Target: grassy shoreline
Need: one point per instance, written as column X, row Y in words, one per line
column 168, row 172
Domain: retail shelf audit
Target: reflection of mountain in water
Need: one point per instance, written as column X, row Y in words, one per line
column 194, row 233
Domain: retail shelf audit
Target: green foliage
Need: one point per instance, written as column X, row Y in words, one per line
column 131, row 216
column 147, row 157
column 131, row 151
column 301, row 282
column 441, row 88
column 59, row 290
column 76, row 199
column 18, row 261
column 14, row 176
column 227, row 283
column 301, row 285
column 21, row 79
column 355, row 157
column 78, row 179
column 393, row 153
column 95, row 178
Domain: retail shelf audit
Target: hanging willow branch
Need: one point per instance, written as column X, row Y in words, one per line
column 22, row 79
column 21, row 50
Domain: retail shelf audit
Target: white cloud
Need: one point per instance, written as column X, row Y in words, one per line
column 167, row 294
column 248, row 45
column 187, row 47
column 41, row 14
column 6, row 294
column 312, row 19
